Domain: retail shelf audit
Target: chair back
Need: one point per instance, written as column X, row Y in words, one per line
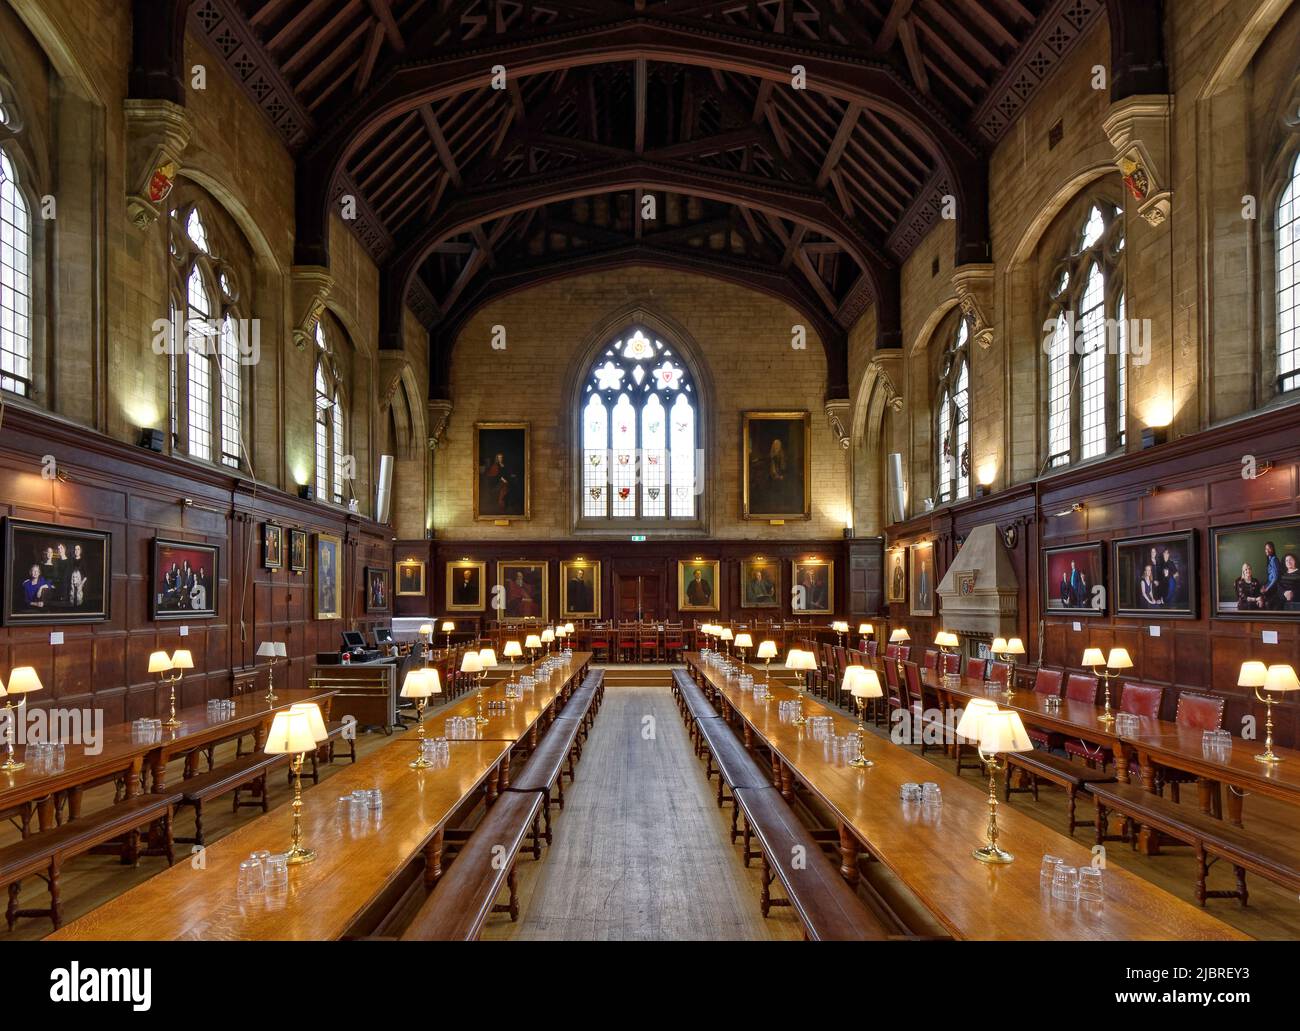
column 873, row 649
column 952, row 664
column 931, row 659
column 904, row 650
column 1048, row 681
column 998, row 672
column 1081, row 687
column 892, row 688
column 891, row 651
column 912, row 684
column 1203, row 712
column 975, row 669
column 1141, row 699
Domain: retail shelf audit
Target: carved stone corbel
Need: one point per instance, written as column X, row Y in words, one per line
column 893, row 399
column 1138, row 128
column 439, row 416
column 837, row 412
column 309, row 286
column 157, row 133
column 974, row 286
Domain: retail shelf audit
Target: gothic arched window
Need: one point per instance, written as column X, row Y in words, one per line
column 1288, row 283
column 1087, row 345
column 952, row 428
column 331, row 451
column 15, row 282
column 639, row 433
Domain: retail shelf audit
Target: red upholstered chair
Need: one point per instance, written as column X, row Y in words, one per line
column 599, row 643
column 891, row 651
column 998, row 672
column 627, row 641
column 975, row 669
column 893, row 689
column 952, row 663
column 914, row 698
column 1081, row 687
column 674, row 642
column 1200, row 712
column 931, row 660
column 841, row 661
column 873, row 649
column 1141, row 700
column 904, row 650
column 648, row 641
column 1047, row 682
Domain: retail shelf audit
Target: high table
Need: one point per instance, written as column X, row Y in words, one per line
column 119, row 755
column 929, row 848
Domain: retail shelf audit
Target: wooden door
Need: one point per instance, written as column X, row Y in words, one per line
column 639, row 596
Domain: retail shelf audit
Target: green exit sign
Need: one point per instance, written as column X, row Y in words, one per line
column 638, row 537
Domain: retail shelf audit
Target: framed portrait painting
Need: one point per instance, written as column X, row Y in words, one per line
column 183, row 580
column 272, row 546
column 329, row 553
column 814, row 587
column 760, row 583
column 410, row 578
column 920, row 561
column 55, row 574
column 776, row 465
column 501, row 470
column 521, row 588
column 298, row 551
column 896, row 576
column 1074, row 582
column 377, row 589
column 697, row 585
column 1155, row 575
column 1257, row 570
column 466, row 586
column 579, row 589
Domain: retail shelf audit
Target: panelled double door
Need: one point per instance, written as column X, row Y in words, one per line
column 639, row 593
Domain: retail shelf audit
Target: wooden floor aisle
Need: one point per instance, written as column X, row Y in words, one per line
column 642, row 850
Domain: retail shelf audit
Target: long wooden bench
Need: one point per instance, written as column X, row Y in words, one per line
column 1211, row 838
column 245, row 771
column 544, row 772
column 736, row 767
column 827, row 907
column 466, row 894
column 1041, row 764
column 46, row 852
column 695, row 707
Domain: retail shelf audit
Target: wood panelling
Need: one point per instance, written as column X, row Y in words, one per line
column 1196, row 482
column 137, row 495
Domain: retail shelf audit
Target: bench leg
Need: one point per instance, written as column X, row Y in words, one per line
column 735, row 818
column 1101, row 824
column 11, row 913
column 536, row 835
column 1071, row 802
column 1242, row 893
column 765, row 899
column 546, row 815
column 513, row 883
column 56, row 901
column 169, row 839
column 745, row 843
column 198, row 824
column 1202, row 868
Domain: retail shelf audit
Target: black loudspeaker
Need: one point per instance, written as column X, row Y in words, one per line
column 152, row 439
column 305, row 492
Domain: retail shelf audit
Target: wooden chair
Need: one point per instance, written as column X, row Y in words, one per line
column 648, row 640
column 975, row 669
column 628, row 641
column 931, row 660
column 1139, row 699
column 1046, row 682
column 1200, row 712
column 951, row 664
column 599, row 643
column 674, row 642
column 999, row 672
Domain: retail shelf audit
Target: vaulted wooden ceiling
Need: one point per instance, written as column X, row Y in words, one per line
column 463, row 190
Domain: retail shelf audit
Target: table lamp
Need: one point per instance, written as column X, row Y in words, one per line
column 862, row 683
column 448, row 626
column 23, row 680
column 944, row 640
column 266, row 650
column 1118, row 659
column 899, row 636
column 181, row 660
column 560, row 635
column 296, row 731
column 487, row 658
column 548, row 635
column 801, row 661
column 161, row 664
column 532, row 642
column 1006, row 651
column 426, row 637
column 420, row 684
column 866, row 631
column 841, row 628
column 512, row 651
column 568, row 629
column 767, row 652
column 996, row 732
column 1258, row 677
column 726, row 636
column 743, row 643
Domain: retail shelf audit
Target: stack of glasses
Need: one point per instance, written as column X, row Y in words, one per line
column 45, row 757
column 460, row 728
column 221, row 708
column 1071, row 884
column 436, row 752
column 1217, row 745
column 263, row 874
column 146, row 732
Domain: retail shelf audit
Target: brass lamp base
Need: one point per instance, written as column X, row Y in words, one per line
column 992, row 854
column 861, row 762
column 9, row 765
column 1106, row 717
column 298, row 855
column 1263, row 757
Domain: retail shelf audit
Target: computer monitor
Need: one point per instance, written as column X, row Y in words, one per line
column 383, row 636
column 354, row 639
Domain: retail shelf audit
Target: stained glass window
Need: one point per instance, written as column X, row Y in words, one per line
column 952, row 428
column 1288, row 284
column 15, row 283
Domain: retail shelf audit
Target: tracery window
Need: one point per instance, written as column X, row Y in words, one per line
column 952, row 428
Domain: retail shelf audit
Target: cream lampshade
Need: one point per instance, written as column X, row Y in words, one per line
column 1000, row 731
column 866, row 629
column 532, row 642
column 548, row 635
column 426, row 629
column 998, row 647
column 726, row 634
column 1015, row 646
column 292, row 732
column 861, row 682
column 160, row 662
column 420, row 684
column 1118, row 659
column 1279, row 678
column 767, row 649
column 1092, row 657
column 797, row 658
column 181, row 659
column 266, row 650
column 946, row 639
column 315, row 721
column 899, row 636
column 448, row 626
column 23, row 680
column 471, row 663
column 744, row 641
column 281, row 652
column 568, row 628
column 968, row 726
column 1267, row 679
column 488, row 657
column 1252, row 675
column 512, row 650
column 417, row 684
column 840, row 627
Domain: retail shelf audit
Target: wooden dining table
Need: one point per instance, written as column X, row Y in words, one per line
column 122, row 754
column 929, row 848
column 523, row 718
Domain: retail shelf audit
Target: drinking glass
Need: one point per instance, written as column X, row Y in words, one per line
column 1047, row 871
column 1065, row 883
column 1090, row 884
column 910, row 792
column 275, row 871
column 250, row 879
column 931, row 794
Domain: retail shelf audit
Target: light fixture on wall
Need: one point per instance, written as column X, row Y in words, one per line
column 151, row 438
column 1076, row 507
column 305, row 492
column 1156, row 431
column 984, row 477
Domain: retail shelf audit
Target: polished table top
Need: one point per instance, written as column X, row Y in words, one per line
column 929, row 848
column 353, row 865
column 520, row 715
column 118, row 748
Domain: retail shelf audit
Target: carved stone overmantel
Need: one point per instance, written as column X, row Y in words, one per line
column 974, row 286
column 439, row 416
column 309, row 286
column 157, row 133
column 1138, row 127
column 837, row 412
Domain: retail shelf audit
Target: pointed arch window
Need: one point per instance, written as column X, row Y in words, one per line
column 209, row 339
column 15, row 283
column 1288, row 283
column 952, row 429
column 639, row 434
column 1086, row 353
column 331, row 446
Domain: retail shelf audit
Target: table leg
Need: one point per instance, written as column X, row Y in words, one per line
column 1235, row 800
column 787, row 783
column 505, row 770
column 749, row 738
column 849, row 852
column 433, row 861
column 1121, row 766
column 158, row 767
